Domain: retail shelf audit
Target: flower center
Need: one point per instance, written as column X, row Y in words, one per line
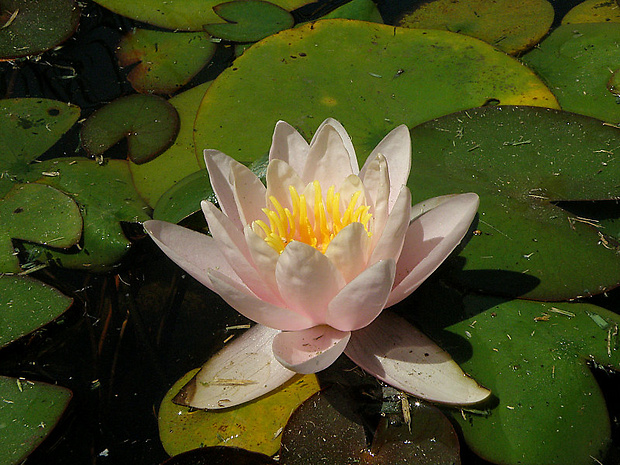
column 316, row 228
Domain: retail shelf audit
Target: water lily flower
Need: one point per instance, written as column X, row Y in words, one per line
column 314, row 257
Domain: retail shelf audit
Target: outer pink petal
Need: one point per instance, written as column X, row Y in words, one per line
column 400, row 355
column 243, row 370
column 196, row 253
column 396, row 147
column 249, row 193
column 362, row 300
column 429, row 240
column 289, row 146
column 311, row 350
column 241, row 299
column 331, row 157
column 280, row 176
column 392, row 237
column 348, row 251
column 219, row 166
column 264, row 257
column 307, row 280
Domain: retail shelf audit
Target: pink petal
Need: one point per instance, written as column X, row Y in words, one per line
column 430, row 239
column 219, row 166
column 400, row 355
column 348, row 251
column 289, row 146
column 279, row 177
column 396, row 147
column 241, row 299
column 307, row 280
column 392, row 237
column 249, row 193
column 243, row 370
column 196, row 253
column 362, row 300
column 377, row 183
column 311, row 350
column 331, row 157
column 264, row 257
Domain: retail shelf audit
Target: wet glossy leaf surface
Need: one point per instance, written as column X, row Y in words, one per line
column 30, row 27
column 28, row 413
column 510, row 26
column 26, row 305
column 520, row 160
column 255, row 426
column 576, row 61
column 149, row 123
column 163, row 61
column 379, row 77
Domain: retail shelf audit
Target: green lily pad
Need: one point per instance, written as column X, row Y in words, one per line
column 254, row 426
column 36, row 213
column 577, row 61
column 28, row 412
column 183, row 199
column 30, row 27
column 533, row 356
column 371, row 77
column 362, row 10
column 26, row 305
column 520, row 160
column 249, row 20
column 154, row 178
column 510, row 26
column 149, row 123
column 28, row 128
column 106, row 198
column 182, row 15
column 593, row 11
column 164, row 61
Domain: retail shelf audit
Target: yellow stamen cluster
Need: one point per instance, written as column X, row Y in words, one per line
column 316, row 228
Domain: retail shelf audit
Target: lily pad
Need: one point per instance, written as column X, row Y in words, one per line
column 154, row 178
column 520, row 160
column 533, row 356
column 593, row 11
column 106, row 198
column 28, row 412
column 28, row 128
column 30, row 27
column 249, row 20
column 26, row 305
column 379, row 77
column 182, row 15
column 149, row 123
column 363, row 10
column 220, row 455
column 577, row 61
column 36, row 213
column 254, row 426
column 164, row 61
column 184, row 198
column 510, row 26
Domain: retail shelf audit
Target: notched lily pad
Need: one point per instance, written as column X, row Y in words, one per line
column 149, row 123
column 164, row 61
column 30, row 27
column 249, row 20
column 29, row 411
column 26, row 305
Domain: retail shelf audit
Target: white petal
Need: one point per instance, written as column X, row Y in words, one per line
column 400, row 355
column 219, row 166
column 196, row 253
column 377, row 183
column 392, row 237
column 348, row 251
column 430, row 239
column 279, row 177
column 241, row 299
column 289, row 146
column 264, row 257
column 311, row 350
column 348, row 187
column 243, row 370
column 362, row 300
column 249, row 193
column 307, row 280
column 331, row 157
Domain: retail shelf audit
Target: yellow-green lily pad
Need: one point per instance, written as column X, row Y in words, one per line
column 163, row 61
column 249, row 20
column 371, row 77
column 593, row 11
column 255, row 426
column 30, row 27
